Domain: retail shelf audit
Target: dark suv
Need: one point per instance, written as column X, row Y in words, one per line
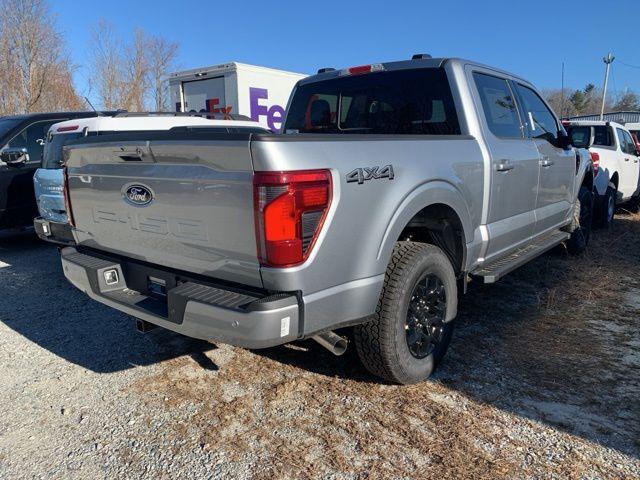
column 22, row 139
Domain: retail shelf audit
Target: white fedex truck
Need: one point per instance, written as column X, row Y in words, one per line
column 260, row 93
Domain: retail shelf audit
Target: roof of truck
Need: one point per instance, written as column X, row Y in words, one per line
column 48, row 115
column 592, row 123
column 144, row 122
column 424, row 62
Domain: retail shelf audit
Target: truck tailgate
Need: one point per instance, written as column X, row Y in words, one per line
column 183, row 203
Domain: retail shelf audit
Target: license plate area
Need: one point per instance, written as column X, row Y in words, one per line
column 157, row 287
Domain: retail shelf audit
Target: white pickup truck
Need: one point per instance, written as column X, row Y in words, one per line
column 393, row 186
column 616, row 165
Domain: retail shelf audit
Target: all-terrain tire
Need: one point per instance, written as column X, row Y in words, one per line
column 382, row 342
column 583, row 219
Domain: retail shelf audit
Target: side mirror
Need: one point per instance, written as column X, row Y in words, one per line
column 564, row 140
column 14, row 157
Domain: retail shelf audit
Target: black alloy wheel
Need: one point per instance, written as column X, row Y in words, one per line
column 425, row 316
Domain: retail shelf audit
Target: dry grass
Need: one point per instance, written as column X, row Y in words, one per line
column 542, row 380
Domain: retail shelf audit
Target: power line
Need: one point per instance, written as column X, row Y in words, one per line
column 628, row 64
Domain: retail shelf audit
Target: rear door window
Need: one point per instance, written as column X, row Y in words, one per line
column 626, row 142
column 499, row 106
column 630, row 143
column 417, row 102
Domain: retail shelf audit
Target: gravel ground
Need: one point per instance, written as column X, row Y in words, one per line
column 542, row 381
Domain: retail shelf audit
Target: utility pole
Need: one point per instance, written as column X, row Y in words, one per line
column 608, row 60
column 562, row 94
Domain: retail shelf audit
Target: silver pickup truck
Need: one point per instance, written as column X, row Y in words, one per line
column 392, row 187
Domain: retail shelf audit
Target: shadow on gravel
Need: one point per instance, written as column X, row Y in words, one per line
column 556, row 342
column 37, row 302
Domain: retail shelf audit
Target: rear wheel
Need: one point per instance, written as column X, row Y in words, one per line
column 634, row 204
column 583, row 219
column 608, row 208
column 411, row 329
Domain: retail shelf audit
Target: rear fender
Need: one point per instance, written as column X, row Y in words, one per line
column 430, row 193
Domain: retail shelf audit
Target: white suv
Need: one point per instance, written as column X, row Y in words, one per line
column 615, row 161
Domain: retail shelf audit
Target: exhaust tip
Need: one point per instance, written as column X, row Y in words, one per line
column 332, row 342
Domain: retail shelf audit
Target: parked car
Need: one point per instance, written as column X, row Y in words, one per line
column 617, row 167
column 22, row 140
column 52, row 224
column 394, row 185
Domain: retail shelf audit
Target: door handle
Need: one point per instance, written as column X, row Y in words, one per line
column 504, row 166
column 546, row 161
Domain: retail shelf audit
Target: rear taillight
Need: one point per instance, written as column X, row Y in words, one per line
column 290, row 208
column 595, row 159
column 67, row 200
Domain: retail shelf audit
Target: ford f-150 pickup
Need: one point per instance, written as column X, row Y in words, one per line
column 392, row 187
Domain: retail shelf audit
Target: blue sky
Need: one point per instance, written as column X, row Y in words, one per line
column 531, row 39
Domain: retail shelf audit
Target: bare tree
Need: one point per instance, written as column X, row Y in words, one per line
column 33, row 66
column 107, row 66
column 136, row 73
column 627, row 101
column 162, row 56
column 559, row 102
column 130, row 76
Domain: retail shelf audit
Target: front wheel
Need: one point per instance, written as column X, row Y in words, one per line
column 583, row 219
column 411, row 329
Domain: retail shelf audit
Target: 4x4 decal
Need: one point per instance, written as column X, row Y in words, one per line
column 361, row 175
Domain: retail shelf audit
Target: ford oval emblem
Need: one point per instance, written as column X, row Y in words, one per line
column 138, row 195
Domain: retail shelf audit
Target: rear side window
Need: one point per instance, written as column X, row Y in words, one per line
column 602, row 136
column 417, row 102
column 542, row 123
column 52, row 157
column 580, row 136
column 499, row 106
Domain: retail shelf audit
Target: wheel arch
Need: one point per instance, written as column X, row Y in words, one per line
column 434, row 213
column 615, row 179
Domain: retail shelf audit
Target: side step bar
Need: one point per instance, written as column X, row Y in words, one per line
column 492, row 272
